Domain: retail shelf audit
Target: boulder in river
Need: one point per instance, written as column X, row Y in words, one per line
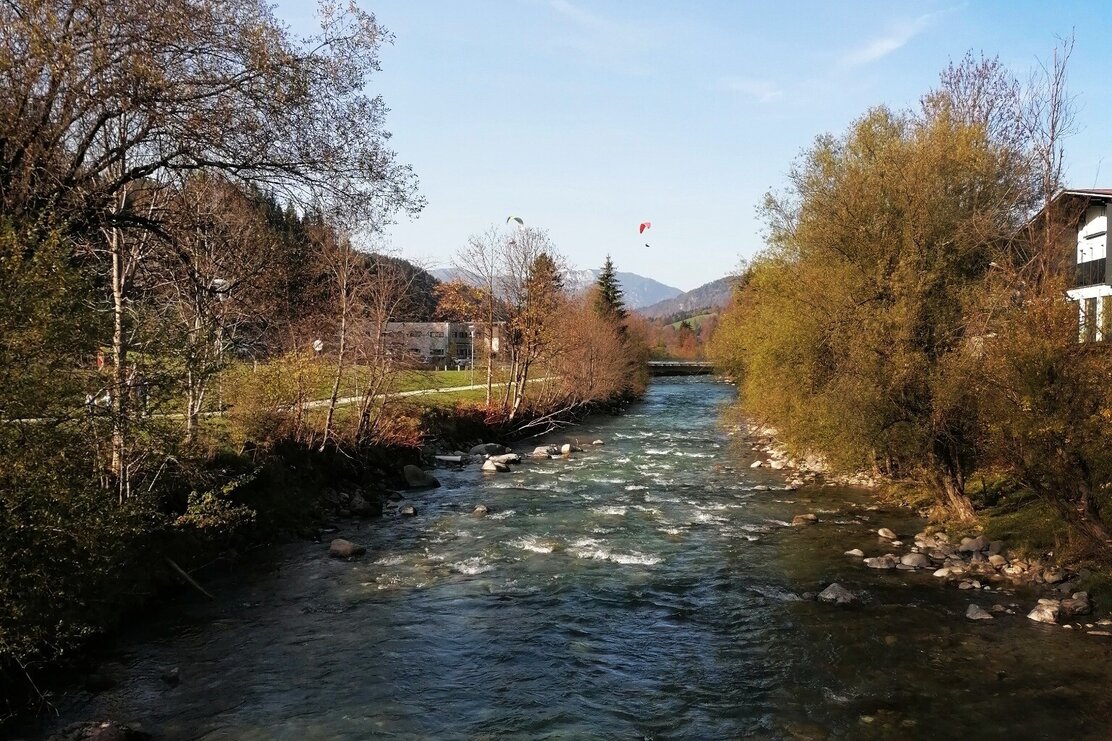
column 915, row 560
column 887, row 561
column 756, row 464
column 506, row 458
column 489, row 449
column 545, row 451
column 340, row 548
column 481, row 510
column 856, row 552
column 1046, row 611
column 598, row 442
column 837, row 594
column 417, row 478
column 566, row 449
column 976, row 612
column 407, row 510
column 807, row 519
column 492, row 466
column 886, row 534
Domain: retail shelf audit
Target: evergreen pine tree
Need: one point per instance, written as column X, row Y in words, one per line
column 608, row 294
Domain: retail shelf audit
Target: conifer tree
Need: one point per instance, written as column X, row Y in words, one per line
column 609, row 301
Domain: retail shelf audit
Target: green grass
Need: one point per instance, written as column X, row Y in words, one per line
column 693, row 321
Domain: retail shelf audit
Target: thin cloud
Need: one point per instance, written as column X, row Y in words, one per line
column 896, row 38
column 761, row 90
column 603, row 37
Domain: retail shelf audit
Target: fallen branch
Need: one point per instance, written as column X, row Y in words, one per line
column 189, row 579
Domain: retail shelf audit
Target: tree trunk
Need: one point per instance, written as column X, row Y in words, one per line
column 119, row 402
column 339, row 375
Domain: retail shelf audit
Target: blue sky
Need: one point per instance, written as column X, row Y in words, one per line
column 587, row 118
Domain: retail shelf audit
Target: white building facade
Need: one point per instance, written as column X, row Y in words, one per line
column 1091, row 287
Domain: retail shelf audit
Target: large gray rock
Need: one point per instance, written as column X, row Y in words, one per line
column 481, row 510
column 997, row 561
column 407, row 510
column 545, row 451
column 857, row 552
column 340, row 548
column 887, row 561
column 915, row 560
column 1046, row 611
column 360, row 506
column 506, row 458
column 492, row 466
column 973, row 545
column 837, row 594
column 489, row 449
column 886, row 533
column 976, row 612
column 1078, row 604
column 417, row 478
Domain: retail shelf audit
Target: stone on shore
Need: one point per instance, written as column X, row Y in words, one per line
column 1046, row 611
column 997, row 560
column 1077, row 604
column 886, row 534
column 837, row 594
column 492, row 466
column 756, row 464
column 976, row 612
column 417, row 478
column 973, row 545
column 489, row 449
column 340, row 548
column 856, row 553
column 361, row 507
column 807, row 519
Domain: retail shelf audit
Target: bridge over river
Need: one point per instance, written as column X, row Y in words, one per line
column 680, row 368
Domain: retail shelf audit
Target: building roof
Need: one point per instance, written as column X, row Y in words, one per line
column 1096, row 192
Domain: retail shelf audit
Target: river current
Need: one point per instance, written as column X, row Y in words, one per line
column 647, row 588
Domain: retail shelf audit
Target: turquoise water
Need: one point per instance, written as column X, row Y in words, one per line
column 646, row 588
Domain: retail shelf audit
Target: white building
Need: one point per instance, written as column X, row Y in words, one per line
column 440, row 343
column 1091, row 286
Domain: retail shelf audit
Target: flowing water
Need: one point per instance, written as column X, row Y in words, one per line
column 646, row 588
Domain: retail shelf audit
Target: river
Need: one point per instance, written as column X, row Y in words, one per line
column 646, row 588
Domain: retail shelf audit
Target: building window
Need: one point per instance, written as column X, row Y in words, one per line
column 1087, row 331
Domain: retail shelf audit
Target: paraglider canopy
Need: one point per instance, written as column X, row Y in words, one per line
column 515, row 220
column 644, row 225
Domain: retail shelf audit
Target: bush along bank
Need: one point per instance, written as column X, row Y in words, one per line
column 1002, row 572
column 123, row 559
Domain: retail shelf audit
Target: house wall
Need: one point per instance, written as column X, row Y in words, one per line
column 1092, row 236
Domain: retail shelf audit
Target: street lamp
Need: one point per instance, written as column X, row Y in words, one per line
column 472, row 355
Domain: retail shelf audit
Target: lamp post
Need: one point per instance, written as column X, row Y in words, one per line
column 472, row 355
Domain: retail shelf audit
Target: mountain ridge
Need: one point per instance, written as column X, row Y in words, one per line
column 639, row 291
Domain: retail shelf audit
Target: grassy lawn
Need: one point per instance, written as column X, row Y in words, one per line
column 693, row 321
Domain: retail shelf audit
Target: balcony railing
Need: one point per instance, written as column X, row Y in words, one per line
column 1091, row 273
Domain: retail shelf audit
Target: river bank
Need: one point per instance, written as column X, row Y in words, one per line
column 652, row 586
column 214, row 512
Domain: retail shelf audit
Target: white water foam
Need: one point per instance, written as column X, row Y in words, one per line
column 611, row 510
column 472, row 566
column 534, row 544
column 501, row 515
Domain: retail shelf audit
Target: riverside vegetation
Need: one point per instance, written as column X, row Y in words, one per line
column 908, row 318
column 192, row 347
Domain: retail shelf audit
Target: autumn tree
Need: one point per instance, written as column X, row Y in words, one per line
column 457, row 301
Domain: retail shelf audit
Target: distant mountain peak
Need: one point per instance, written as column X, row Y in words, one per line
column 713, row 295
column 638, row 290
